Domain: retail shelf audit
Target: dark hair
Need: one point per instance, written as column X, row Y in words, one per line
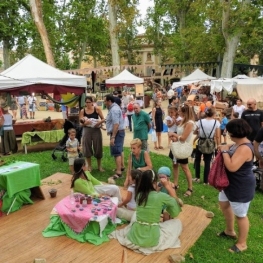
column 135, row 173
column 210, row 112
column 173, row 98
column 78, row 170
column 238, row 128
column 144, row 185
column 89, row 98
column 115, row 92
column 110, row 98
column 236, row 115
column 238, row 99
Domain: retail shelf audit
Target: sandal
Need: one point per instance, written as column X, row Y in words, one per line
column 188, row 192
column 223, row 234
column 175, row 187
column 122, row 169
column 116, row 176
column 161, row 147
column 196, row 180
column 235, row 249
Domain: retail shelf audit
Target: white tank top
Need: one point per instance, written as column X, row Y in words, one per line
column 180, row 130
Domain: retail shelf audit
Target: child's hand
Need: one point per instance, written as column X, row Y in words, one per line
column 164, row 181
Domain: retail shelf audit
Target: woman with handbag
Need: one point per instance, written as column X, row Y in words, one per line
column 235, row 199
column 183, row 135
column 209, row 133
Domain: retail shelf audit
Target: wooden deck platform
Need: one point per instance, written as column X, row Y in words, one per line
column 22, row 240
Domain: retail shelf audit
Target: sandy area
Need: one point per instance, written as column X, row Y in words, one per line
column 40, row 115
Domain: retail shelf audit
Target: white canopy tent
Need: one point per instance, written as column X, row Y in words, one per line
column 33, row 75
column 195, row 77
column 246, row 87
column 123, row 79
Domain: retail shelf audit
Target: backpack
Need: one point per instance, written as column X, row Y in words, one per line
column 206, row 145
column 130, row 107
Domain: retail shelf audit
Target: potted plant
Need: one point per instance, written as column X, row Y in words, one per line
column 147, row 98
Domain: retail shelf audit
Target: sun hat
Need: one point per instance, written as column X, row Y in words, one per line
column 165, row 170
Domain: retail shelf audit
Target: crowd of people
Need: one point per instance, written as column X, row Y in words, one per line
column 147, row 190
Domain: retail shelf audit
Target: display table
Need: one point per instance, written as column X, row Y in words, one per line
column 17, row 179
column 33, row 138
column 29, row 126
column 93, row 224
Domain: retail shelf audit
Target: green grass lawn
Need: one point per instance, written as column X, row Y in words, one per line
column 209, row 247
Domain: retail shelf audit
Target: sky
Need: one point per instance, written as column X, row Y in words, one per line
column 144, row 4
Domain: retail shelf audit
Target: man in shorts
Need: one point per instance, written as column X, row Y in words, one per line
column 115, row 128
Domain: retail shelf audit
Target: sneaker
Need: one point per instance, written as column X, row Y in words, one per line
column 196, row 180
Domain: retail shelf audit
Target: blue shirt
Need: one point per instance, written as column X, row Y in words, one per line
column 223, row 123
column 114, row 117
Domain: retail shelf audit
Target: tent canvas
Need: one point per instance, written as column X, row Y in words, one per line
column 197, row 75
column 246, row 87
column 33, row 75
column 124, row 78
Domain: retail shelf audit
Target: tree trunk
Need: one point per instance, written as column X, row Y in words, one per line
column 82, row 53
column 6, row 54
column 36, row 11
column 113, row 33
column 231, row 39
column 229, row 56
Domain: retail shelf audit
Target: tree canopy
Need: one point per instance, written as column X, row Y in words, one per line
column 180, row 30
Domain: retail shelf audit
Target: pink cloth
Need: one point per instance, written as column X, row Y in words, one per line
column 78, row 220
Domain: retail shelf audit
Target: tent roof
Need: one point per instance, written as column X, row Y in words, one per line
column 124, row 78
column 197, row 75
column 33, row 75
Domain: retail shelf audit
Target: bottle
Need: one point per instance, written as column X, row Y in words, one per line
column 72, row 198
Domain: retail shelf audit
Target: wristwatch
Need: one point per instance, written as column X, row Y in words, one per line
column 224, row 151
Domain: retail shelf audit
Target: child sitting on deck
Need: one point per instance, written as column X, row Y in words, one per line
column 165, row 173
column 127, row 207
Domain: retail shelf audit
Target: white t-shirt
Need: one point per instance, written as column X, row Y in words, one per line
column 31, row 99
column 174, row 127
column 132, row 203
column 170, row 93
column 239, row 109
column 207, row 126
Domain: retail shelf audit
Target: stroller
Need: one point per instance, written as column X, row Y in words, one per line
column 61, row 147
column 258, row 173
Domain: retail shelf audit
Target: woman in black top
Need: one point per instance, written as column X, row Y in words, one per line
column 235, row 199
column 92, row 136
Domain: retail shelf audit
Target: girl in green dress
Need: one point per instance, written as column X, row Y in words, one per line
column 146, row 234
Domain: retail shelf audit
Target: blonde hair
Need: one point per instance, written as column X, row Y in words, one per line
column 136, row 141
column 187, row 112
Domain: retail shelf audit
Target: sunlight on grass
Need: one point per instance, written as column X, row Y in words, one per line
column 209, row 247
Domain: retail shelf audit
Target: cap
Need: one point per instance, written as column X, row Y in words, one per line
column 165, row 170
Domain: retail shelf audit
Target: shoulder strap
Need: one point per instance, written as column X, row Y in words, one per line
column 202, row 128
column 212, row 130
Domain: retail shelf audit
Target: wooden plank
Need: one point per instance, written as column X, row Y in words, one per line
column 21, row 232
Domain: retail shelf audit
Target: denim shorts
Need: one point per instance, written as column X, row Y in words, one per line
column 117, row 149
